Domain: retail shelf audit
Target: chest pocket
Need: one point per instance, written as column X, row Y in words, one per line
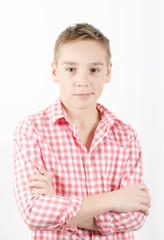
column 116, row 162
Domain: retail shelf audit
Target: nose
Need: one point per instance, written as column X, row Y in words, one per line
column 81, row 80
column 81, row 84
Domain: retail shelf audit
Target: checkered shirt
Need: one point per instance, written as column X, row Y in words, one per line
column 49, row 140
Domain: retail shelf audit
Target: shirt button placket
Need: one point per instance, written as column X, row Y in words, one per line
column 89, row 175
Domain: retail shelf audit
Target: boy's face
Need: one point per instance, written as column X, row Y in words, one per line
column 81, row 72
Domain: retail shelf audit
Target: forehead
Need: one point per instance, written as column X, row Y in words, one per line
column 83, row 50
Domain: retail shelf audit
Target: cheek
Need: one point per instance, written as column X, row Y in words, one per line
column 100, row 85
column 65, row 87
column 100, row 90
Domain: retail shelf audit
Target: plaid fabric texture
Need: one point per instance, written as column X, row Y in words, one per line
column 49, row 140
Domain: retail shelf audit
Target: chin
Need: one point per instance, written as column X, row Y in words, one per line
column 82, row 105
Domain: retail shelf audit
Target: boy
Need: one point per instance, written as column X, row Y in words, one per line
column 77, row 167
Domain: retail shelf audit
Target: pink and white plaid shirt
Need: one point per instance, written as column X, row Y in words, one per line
column 49, row 140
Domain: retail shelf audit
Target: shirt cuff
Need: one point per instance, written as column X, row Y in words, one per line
column 72, row 210
column 105, row 227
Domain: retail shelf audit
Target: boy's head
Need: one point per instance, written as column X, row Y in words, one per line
column 82, row 31
column 81, row 65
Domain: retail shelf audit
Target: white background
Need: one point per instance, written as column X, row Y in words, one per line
column 28, row 32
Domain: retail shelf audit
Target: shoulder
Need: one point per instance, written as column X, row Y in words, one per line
column 32, row 123
column 121, row 132
column 124, row 130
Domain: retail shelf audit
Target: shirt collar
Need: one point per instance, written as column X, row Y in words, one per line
column 107, row 117
column 57, row 112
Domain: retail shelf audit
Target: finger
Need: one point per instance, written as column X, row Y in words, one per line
column 43, row 191
column 43, row 171
column 145, row 195
column 39, row 191
column 38, row 177
column 144, row 198
column 143, row 187
column 146, row 213
column 144, row 208
column 37, row 184
column 146, row 202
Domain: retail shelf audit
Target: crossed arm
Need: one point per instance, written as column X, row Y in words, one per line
column 131, row 198
column 122, row 209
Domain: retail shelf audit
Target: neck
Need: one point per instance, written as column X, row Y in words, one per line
column 82, row 117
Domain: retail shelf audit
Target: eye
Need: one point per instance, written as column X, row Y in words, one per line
column 70, row 69
column 95, row 70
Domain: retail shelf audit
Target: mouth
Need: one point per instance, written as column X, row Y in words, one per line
column 83, row 95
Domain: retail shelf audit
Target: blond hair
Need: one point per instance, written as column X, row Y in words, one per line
column 82, row 31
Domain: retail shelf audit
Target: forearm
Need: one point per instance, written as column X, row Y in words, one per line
column 126, row 200
column 91, row 206
column 32, row 206
column 89, row 224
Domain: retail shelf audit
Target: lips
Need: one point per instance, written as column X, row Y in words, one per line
column 83, row 95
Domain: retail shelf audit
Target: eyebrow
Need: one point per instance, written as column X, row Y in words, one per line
column 76, row 64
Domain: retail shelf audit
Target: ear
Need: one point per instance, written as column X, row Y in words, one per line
column 108, row 75
column 53, row 72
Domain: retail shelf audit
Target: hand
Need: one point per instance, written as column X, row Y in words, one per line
column 131, row 198
column 41, row 183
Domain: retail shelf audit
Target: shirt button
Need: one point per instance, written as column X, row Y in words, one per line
column 88, row 161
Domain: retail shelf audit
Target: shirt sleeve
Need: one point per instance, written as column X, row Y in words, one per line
column 40, row 212
column 112, row 222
